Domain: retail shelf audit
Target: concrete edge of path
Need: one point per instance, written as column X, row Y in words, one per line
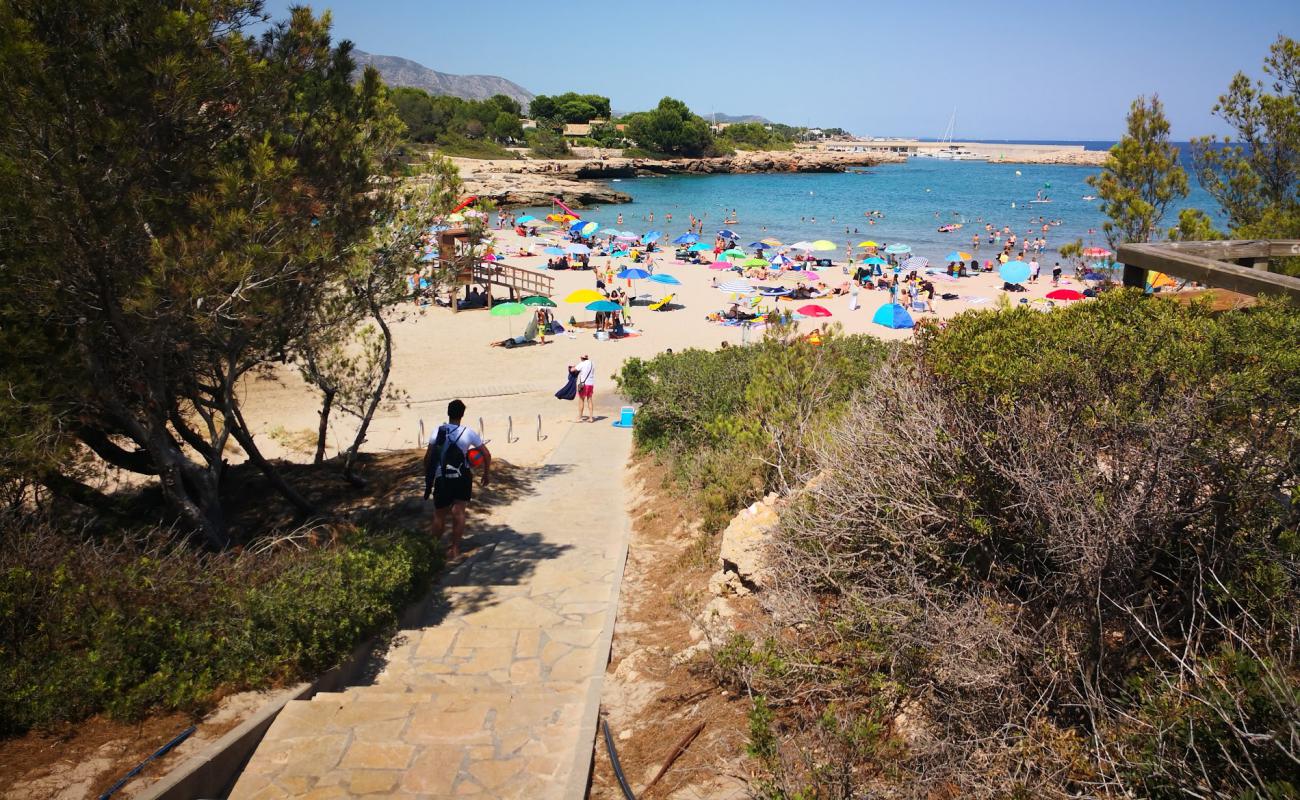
column 580, row 776
column 213, row 772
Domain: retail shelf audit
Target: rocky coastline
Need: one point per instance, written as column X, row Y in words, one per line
column 580, row 181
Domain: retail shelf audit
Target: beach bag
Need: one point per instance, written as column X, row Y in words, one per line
column 948, row 296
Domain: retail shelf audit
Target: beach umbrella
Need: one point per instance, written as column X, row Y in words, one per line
column 508, row 310
column 627, row 236
column 588, row 229
column 553, row 251
column 916, row 262
column 525, row 218
column 898, row 248
column 652, row 236
column 695, row 248
column 537, row 300
column 771, row 242
column 578, row 249
column 801, row 246
column 633, row 274
column 576, row 224
column 429, row 257
column 1064, row 294
column 538, row 223
column 1093, row 276
column 755, row 262
column 665, row 278
column 875, row 261
column 1095, row 252
column 807, row 275
column 603, row 305
column 734, row 252
column 814, row 310
column 1155, row 280
column 721, row 265
column 780, row 260
column 868, row 243
column 686, row 238
column 823, row 245
column 957, row 255
column 584, row 296
column 892, row 315
column 736, row 286
column 759, row 245
column 727, row 233
column 1014, row 272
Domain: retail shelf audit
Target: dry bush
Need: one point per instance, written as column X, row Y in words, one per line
column 1055, row 608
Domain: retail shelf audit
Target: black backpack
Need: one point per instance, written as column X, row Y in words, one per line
column 450, row 457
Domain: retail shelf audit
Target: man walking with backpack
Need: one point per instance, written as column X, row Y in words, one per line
column 454, row 450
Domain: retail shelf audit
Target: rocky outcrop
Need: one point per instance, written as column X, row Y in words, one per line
column 537, row 189
column 743, row 566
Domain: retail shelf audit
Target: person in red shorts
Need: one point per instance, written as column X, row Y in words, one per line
column 586, row 388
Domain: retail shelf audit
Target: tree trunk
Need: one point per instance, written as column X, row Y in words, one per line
column 375, row 398
column 72, row 489
column 240, row 431
column 327, row 403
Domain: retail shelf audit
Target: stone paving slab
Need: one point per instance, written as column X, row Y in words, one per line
column 496, row 692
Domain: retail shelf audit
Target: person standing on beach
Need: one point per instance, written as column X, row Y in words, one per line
column 586, row 389
column 1033, row 271
column 1056, row 274
column 447, row 461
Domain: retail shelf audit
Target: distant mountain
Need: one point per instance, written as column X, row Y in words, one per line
column 719, row 117
column 404, row 72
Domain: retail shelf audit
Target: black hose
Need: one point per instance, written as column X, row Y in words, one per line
column 180, row 737
column 613, row 760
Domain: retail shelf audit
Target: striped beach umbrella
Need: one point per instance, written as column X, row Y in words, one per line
column 736, row 287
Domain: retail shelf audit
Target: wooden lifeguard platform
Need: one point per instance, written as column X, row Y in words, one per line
column 518, row 281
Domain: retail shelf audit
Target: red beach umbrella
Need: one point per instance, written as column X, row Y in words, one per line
column 1096, row 252
column 1064, row 294
column 814, row 310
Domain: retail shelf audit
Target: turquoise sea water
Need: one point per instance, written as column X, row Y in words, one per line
column 916, row 198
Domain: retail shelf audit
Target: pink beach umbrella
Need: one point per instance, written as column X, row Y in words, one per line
column 721, row 265
column 814, row 310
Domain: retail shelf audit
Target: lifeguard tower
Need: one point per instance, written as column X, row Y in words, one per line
column 519, row 282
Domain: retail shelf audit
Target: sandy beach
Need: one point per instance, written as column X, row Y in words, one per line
column 442, row 355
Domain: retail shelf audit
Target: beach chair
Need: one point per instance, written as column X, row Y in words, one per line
column 662, row 305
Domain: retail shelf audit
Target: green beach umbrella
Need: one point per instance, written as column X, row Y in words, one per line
column 508, row 310
column 755, row 262
column 733, row 253
column 538, row 300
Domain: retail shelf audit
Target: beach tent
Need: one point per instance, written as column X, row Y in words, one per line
column 892, row 315
column 1156, row 280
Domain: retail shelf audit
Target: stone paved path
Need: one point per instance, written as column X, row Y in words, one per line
column 496, row 692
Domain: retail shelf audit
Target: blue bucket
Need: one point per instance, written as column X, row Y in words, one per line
column 625, row 417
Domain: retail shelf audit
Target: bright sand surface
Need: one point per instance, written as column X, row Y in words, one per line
column 441, row 355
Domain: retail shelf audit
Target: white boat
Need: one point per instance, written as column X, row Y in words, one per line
column 949, row 151
column 1040, row 198
column 1090, row 197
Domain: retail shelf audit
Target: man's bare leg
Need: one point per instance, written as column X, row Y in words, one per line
column 457, row 529
column 439, row 522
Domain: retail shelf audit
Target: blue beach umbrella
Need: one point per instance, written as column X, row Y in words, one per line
column 603, row 305
column 579, row 249
column 758, row 245
column 695, row 248
column 633, row 274
column 589, row 228
column 892, row 315
column 727, row 233
column 525, row 218
column 875, row 261
column 1014, row 272
column 686, row 238
column 553, row 251
column 652, row 236
column 577, row 223
column 898, row 249
column 665, row 278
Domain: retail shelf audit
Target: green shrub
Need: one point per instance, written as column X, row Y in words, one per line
column 451, row 144
column 150, row 625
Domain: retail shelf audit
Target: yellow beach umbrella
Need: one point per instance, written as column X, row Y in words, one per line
column 584, row 296
column 1158, row 279
column 771, row 241
column 823, row 244
column 868, row 243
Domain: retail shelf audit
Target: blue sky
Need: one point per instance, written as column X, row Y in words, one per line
column 1020, row 70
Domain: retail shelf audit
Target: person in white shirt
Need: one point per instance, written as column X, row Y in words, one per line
column 586, row 388
column 1033, row 271
column 449, row 463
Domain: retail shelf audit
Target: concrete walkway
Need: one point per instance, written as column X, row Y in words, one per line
column 497, row 691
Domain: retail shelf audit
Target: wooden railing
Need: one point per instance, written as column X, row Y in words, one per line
column 1239, row 266
column 524, row 282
